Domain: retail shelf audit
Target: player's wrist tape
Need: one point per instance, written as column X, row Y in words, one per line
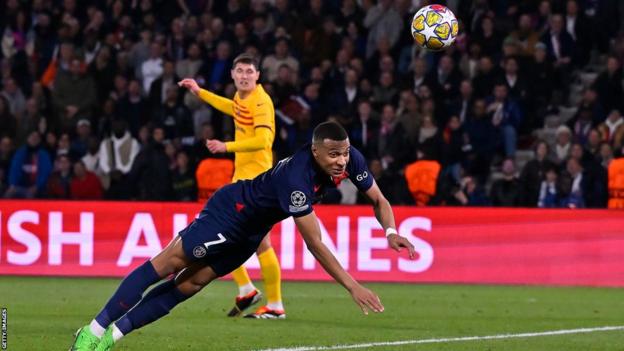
column 391, row 231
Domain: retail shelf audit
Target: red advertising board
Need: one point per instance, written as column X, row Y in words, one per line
column 454, row 245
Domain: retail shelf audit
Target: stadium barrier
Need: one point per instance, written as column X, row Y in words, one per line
column 454, row 245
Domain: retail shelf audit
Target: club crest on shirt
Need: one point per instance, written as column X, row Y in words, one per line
column 298, row 201
column 199, row 251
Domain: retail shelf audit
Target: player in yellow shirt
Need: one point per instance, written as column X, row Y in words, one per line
column 254, row 120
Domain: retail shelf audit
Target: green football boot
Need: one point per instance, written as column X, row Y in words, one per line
column 85, row 340
column 107, row 341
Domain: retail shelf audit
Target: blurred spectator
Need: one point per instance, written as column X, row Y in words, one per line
column 507, row 192
column 102, row 70
column 612, row 129
column 152, row 67
column 560, row 44
column 455, row 140
column 385, row 91
column 446, row 79
column 526, row 35
column 579, row 28
column 420, row 75
column 608, row 85
column 506, row 117
column 575, row 185
column 394, row 186
column 183, row 179
column 29, row 171
column 174, row 117
column 80, row 144
column 7, row 119
column 91, row 159
column 140, row 51
column 581, row 124
column 32, row 119
column 6, row 153
column 605, row 154
column 482, row 137
column 59, row 182
column 391, row 147
column 516, row 84
column 541, row 80
column 596, row 176
column 409, row 114
column 487, row 74
column 171, row 150
column 383, row 22
column 533, row 174
column 133, row 108
column 216, row 72
column 74, row 95
column 345, row 96
column 14, row 96
column 189, row 66
column 549, row 189
column 563, row 144
column 488, row 37
column 62, row 147
column 561, row 49
column 116, row 156
column 469, row 63
column 590, row 101
column 281, row 56
column 157, row 94
column 365, row 130
column 593, row 143
column 471, row 193
column 429, row 140
column 284, row 85
column 50, row 143
column 150, row 170
column 462, row 104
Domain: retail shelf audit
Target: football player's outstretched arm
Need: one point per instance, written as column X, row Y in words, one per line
column 222, row 104
column 311, row 232
column 383, row 212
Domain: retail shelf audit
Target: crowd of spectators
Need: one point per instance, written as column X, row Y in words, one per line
column 90, row 108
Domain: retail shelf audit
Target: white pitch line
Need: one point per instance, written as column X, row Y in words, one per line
column 443, row 340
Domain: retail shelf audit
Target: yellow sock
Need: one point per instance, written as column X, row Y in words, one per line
column 271, row 275
column 241, row 277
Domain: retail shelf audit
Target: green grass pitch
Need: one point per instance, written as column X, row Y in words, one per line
column 42, row 314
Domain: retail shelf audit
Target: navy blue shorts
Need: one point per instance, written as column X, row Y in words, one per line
column 220, row 236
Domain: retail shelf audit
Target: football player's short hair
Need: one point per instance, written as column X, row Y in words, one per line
column 329, row 130
column 247, row 59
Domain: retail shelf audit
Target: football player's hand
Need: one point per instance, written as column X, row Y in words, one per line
column 216, row 146
column 190, row 84
column 398, row 242
column 366, row 299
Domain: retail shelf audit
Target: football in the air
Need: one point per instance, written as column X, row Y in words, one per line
column 434, row 27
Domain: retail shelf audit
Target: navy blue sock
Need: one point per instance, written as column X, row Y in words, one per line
column 156, row 304
column 128, row 293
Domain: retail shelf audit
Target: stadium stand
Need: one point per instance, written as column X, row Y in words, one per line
column 89, row 82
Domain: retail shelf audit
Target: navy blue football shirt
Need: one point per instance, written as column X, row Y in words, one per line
column 295, row 184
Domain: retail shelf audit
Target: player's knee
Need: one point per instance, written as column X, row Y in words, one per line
column 170, row 266
column 191, row 287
